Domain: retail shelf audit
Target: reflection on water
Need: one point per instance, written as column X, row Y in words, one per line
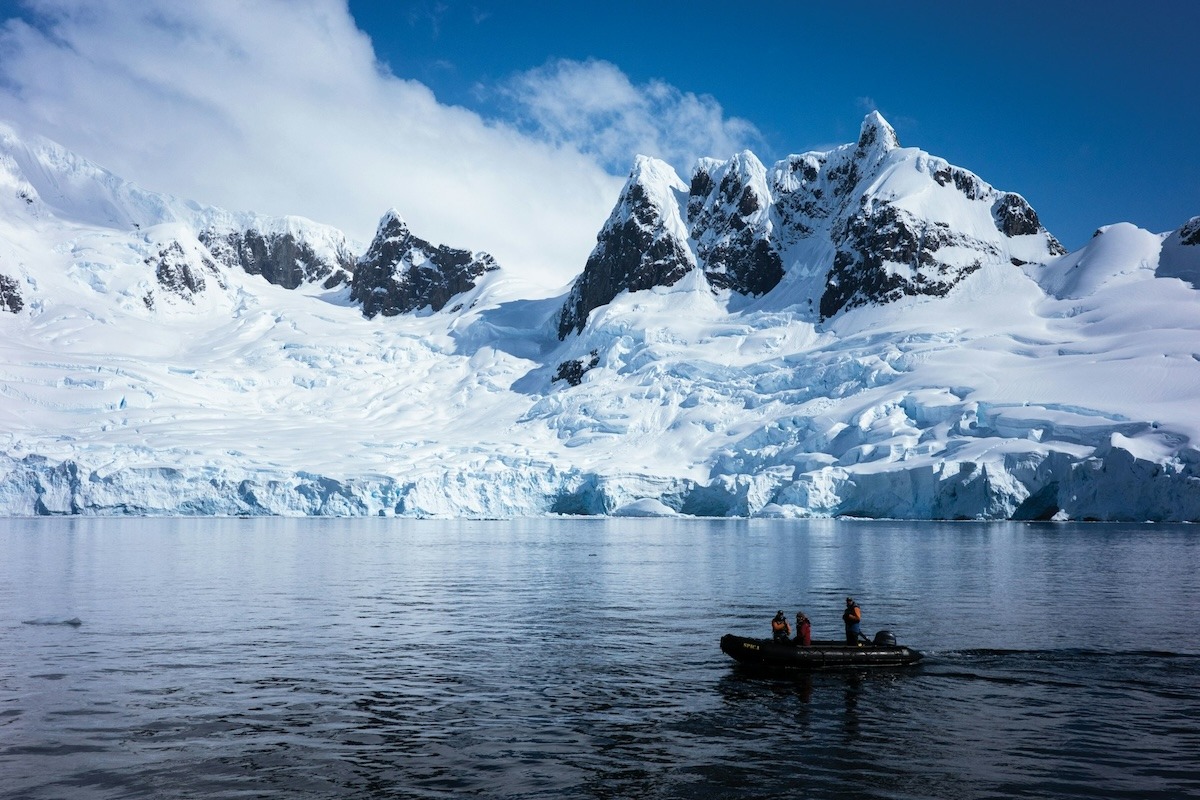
column 379, row 658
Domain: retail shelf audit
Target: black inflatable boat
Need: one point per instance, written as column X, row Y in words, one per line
column 770, row 655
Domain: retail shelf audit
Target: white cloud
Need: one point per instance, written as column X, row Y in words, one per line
column 594, row 107
column 281, row 107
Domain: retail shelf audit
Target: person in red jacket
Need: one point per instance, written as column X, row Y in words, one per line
column 803, row 630
column 780, row 629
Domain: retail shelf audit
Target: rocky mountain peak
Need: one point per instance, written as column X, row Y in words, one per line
column 739, row 186
column 876, row 135
column 391, row 226
column 865, row 223
column 643, row 244
column 401, row 273
column 729, row 220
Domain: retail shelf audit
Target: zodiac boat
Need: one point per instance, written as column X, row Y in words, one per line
column 770, row 655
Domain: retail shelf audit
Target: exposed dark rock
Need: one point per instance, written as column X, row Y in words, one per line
column 702, row 186
column 633, row 252
column 747, row 202
column 807, row 166
column 10, row 295
column 818, row 210
column 800, row 203
column 844, row 177
column 733, row 239
column 178, row 274
column 1189, row 234
column 971, row 187
column 281, row 258
column 1015, row 217
column 885, row 254
column 875, row 133
column 747, row 265
column 699, row 193
column 401, row 273
column 572, row 370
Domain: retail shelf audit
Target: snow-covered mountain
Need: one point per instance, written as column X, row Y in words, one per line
column 401, row 273
column 864, row 224
column 866, row 331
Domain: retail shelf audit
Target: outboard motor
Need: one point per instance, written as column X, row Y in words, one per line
column 885, row 639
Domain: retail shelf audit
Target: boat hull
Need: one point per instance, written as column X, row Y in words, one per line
column 784, row 656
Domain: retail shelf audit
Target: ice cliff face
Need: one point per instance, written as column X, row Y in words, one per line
column 401, row 273
column 867, row 331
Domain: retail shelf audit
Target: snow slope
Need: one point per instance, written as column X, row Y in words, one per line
column 142, row 372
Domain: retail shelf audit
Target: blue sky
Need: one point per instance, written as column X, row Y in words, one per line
column 1091, row 109
column 509, row 126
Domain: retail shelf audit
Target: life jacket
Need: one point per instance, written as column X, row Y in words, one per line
column 853, row 615
column 780, row 628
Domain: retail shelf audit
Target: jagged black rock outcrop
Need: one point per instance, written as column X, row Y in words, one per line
column 1189, row 234
column 1015, row 217
column 10, row 295
column 176, row 273
column 401, row 273
column 573, row 370
column 800, row 198
column 854, row 226
column 729, row 223
column 632, row 253
column 280, row 258
column 886, row 254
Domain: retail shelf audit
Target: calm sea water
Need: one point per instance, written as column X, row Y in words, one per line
column 579, row 659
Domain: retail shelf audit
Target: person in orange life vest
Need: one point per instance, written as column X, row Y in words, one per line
column 803, row 630
column 780, row 628
column 853, row 619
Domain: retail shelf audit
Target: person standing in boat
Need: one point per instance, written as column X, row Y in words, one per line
column 803, row 630
column 853, row 619
column 780, row 629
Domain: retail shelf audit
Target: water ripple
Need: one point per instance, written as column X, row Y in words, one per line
column 559, row 660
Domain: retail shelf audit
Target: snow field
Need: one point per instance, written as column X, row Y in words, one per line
column 1060, row 391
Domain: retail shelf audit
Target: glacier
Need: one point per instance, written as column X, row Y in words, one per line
column 866, row 332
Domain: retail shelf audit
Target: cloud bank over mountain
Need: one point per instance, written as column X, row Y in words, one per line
column 594, row 107
column 283, row 108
